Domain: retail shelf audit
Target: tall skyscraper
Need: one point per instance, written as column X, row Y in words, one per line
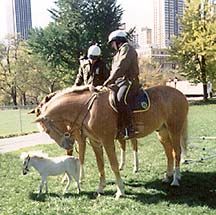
column 166, row 20
column 19, row 19
column 145, row 37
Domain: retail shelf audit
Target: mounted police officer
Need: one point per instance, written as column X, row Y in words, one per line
column 92, row 71
column 124, row 74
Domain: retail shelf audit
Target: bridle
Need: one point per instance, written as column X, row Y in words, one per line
column 50, row 124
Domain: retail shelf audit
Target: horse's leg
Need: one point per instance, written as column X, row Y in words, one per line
column 98, row 150
column 164, row 138
column 176, row 139
column 110, row 150
column 122, row 153
column 82, row 149
column 134, row 143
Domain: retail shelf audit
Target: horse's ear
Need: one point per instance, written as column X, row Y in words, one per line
column 39, row 119
column 31, row 111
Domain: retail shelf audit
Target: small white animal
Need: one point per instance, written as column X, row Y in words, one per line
column 52, row 166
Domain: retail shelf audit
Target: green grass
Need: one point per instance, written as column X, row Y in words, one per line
column 145, row 193
column 15, row 122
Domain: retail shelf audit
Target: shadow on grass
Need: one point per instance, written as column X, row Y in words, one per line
column 197, row 189
column 89, row 194
column 202, row 102
column 43, row 196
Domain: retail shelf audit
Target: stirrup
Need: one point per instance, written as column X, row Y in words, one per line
column 129, row 133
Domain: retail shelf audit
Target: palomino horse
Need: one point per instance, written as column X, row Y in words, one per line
column 81, row 112
column 69, row 147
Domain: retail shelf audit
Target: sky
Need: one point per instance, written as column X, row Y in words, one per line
column 136, row 13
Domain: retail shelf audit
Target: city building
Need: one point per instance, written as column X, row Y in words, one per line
column 166, row 21
column 18, row 18
column 145, row 37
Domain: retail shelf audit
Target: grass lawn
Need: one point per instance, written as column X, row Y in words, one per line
column 15, row 122
column 145, row 193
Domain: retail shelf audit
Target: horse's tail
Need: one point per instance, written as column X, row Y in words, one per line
column 184, row 138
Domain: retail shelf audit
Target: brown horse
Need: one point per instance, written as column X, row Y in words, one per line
column 81, row 112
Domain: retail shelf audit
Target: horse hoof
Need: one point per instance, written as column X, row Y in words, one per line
column 119, row 195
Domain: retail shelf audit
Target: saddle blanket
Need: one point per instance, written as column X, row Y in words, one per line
column 141, row 102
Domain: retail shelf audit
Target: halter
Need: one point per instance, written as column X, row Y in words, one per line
column 27, row 161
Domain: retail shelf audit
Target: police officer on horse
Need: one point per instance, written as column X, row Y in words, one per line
column 92, row 71
column 124, row 74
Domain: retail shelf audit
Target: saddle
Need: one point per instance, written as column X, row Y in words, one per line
column 139, row 104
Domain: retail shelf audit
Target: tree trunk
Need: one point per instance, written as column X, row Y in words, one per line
column 14, row 95
column 24, row 99
column 204, row 78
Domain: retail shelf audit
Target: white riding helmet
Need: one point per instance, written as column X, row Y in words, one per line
column 118, row 34
column 94, row 51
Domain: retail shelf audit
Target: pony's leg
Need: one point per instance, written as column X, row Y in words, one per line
column 43, row 180
column 46, row 184
column 122, row 155
column 76, row 178
column 110, row 150
column 98, row 150
column 164, row 138
column 177, row 155
column 68, row 183
column 70, row 153
column 134, row 143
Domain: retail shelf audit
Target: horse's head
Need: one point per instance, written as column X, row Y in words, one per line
column 57, row 130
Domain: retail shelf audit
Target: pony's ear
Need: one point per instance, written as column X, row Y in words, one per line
column 24, row 155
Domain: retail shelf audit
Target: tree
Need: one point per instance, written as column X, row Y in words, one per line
column 8, row 76
column 77, row 25
column 195, row 48
column 23, row 76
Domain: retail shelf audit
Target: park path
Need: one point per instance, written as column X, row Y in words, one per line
column 16, row 143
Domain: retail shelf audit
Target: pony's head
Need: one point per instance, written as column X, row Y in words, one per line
column 26, row 159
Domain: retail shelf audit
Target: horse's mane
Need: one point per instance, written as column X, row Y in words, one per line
column 73, row 89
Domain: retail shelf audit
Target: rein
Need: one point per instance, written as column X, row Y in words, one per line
column 89, row 102
column 51, row 123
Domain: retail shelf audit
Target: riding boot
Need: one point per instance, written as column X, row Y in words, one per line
column 129, row 131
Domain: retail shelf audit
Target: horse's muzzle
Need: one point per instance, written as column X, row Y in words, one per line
column 67, row 141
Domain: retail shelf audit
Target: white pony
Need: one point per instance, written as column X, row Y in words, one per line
column 52, row 166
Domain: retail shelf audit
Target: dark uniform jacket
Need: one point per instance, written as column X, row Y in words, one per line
column 125, row 65
column 90, row 74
